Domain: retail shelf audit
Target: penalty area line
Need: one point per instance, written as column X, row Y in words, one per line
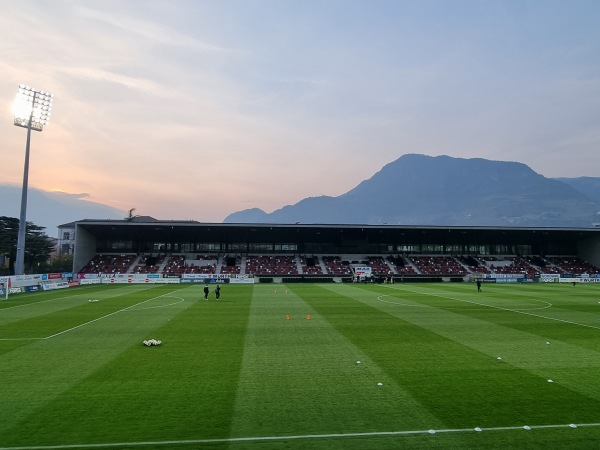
column 517, row 311
column 107, row 315
column 302, row 436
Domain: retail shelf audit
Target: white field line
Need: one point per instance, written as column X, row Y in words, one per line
column 104, row 317
column 380, row 298
column 33, row 304
column 22, row 339
column 36, row 303
column 181, row 300
column 504, row 309
column 300, row 436
column 92, row 321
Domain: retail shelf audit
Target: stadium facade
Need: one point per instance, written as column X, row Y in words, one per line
column 86, row 238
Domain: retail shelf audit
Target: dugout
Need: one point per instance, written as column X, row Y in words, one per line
column 153, row 236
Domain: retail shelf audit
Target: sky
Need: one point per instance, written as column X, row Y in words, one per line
column 195, row 109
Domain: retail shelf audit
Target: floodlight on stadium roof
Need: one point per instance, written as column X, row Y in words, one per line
column 32, row 108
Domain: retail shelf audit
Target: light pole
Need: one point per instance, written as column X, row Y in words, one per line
column 32, row 111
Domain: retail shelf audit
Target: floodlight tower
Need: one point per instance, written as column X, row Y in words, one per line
column 31, row 110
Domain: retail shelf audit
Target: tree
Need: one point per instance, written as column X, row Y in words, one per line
column 62, row 263
column 38, row 246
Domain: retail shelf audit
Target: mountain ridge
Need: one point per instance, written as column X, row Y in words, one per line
column 50, row 209
column 442, row 190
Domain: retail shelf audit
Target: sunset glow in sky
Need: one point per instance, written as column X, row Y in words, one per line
column 197, row 109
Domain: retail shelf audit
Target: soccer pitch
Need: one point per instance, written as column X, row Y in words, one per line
column 333, row 366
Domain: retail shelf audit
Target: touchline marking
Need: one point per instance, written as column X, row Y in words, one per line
column 22, row 339
column 300, row 436
column 91, row 321
column 380, row 298
column 35, row 303
column 161, row 306
column 104, row 317
column 41, row 301
column 505, row 309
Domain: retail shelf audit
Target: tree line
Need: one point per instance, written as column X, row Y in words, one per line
column 38, row 249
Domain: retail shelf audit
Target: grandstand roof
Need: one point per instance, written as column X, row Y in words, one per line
column 177, row 230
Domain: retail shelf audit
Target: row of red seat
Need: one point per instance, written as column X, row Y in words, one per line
column 334, row 265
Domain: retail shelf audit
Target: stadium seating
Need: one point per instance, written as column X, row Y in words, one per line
column 438, row 265
column 148, row 264
column 231, row 269
column 401, row 265
column 379, row 266
column 335, row 266
column 109, row 264
column 573, row 265
column 271, row 265
column 314, row 269
column 513, row 265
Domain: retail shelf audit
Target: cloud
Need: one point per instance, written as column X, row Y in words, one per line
column 150, row 30
column 144, row 85
column 184, row 107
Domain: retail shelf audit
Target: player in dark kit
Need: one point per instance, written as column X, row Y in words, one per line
column 218, row 291
column 206, row 292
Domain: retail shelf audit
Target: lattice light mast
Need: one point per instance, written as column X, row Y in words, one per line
column 31, row 110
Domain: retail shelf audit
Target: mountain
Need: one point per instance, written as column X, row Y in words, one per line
column 425, row 190
column 51, row 209
column 589, row 186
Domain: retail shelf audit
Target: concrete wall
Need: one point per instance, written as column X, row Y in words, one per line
column 85, row 248
column 589, row 250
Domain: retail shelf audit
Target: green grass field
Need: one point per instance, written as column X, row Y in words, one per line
column 236, row 374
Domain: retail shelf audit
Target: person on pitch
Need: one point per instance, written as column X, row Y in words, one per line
column 218, row 291
column 206, row 292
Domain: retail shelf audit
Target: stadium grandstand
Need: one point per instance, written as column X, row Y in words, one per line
column 326, row 253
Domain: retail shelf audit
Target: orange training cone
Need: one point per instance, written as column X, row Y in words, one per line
column 308, row 317
column 287, row 317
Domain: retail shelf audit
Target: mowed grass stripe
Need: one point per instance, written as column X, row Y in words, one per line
column 37, row 372
column 19, row 308
column 40, row 320
column 24, row 300
column 172, row 397
column 99, row 381
column 441, row 358
column 515, row 311
column 560, row 358
column 300, row 376
column 562, row 302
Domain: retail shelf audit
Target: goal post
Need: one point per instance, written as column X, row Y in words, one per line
column 4, row 287
column 6, row 283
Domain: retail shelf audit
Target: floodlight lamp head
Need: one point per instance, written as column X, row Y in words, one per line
column 31, row 108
